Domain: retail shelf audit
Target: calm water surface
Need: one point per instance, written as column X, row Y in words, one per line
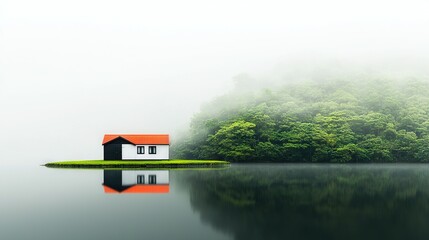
column 261, row 201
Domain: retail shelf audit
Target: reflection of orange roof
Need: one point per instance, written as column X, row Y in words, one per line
column 135, row 139
column 164, row 188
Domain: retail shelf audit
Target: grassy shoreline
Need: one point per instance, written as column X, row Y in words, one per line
column 177, row 163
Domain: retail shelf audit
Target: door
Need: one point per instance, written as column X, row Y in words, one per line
column 113, row 151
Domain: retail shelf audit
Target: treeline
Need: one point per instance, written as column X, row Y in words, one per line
column 361, row 120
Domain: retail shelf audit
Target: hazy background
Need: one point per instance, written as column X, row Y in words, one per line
column 71, row 71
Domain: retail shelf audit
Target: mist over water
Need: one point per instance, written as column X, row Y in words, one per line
column 71, row 72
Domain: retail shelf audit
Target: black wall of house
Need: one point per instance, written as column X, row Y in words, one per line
column 113, row 149
column 113, row 152
column 113, row 179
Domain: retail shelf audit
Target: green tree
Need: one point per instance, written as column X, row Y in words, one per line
column 341, row 120
column 234, row 141
column 422, row 149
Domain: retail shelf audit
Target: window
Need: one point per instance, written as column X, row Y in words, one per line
column 140, row 149
column 152, row 149
column 140, row 179
column 152, row 179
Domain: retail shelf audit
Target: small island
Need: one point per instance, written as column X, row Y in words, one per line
column 137, row 151
column 103, row 164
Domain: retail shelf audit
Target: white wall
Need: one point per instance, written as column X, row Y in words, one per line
column 130, row 177
column 129, row 152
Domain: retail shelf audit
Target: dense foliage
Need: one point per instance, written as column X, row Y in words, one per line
column 369, row 120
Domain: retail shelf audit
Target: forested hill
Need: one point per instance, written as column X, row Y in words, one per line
column 331, row 121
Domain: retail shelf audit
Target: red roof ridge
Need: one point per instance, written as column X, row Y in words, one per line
column 136, row 134
column 157, row 188
column 162, row 139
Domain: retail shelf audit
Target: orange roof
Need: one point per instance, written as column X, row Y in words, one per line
column 135, row 139
column 164, row 188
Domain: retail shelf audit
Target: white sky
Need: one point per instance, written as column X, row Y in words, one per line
column 71, row 71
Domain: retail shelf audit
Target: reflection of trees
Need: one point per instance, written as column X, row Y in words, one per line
column 314, row 202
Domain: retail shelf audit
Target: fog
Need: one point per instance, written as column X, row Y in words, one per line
column 71, row 71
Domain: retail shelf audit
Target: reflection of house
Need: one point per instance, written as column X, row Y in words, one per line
column 136, row 146
column 136, row 181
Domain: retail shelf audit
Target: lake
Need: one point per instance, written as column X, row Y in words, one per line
column 251, row 201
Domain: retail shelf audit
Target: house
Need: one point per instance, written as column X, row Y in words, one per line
column 136, row 146
column 139, row 181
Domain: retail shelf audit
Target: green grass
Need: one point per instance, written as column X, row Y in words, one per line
column 137, row 164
